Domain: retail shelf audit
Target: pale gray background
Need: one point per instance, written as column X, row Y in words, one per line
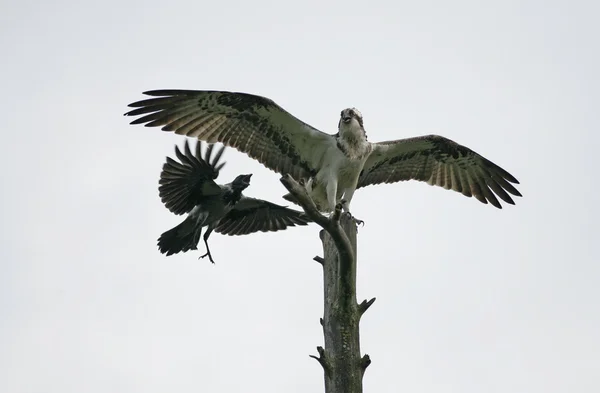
column 470, row 298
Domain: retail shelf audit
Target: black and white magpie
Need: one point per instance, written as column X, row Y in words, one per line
column 188, row 187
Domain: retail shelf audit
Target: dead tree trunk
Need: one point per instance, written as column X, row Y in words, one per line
column 341, row 360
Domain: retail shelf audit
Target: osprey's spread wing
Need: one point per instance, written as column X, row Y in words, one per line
column 184, row 184
column 440, row 162
column 252, row 215
column 251, row 124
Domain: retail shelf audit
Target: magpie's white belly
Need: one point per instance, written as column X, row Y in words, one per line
column 210, row 211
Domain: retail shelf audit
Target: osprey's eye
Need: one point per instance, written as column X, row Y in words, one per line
column 351, row 113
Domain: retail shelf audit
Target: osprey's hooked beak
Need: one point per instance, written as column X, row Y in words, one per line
column 346, row 119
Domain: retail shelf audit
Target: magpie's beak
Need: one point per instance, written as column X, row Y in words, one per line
column 246, row 178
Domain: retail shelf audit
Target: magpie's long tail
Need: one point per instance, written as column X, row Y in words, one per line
column 182, row 238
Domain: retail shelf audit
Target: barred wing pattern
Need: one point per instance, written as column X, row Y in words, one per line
column 184, row 184
column 441, row 162
column 251, row 215
column 251, row 124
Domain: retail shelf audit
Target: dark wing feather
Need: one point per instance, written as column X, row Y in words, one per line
column 251, row 124
column 186, row 183
column 441, row 162
column 251, row 215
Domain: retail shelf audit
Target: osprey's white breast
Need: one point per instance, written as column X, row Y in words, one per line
column 352, row 140
column 340, row 165
column 354, row 149
column 343, row 163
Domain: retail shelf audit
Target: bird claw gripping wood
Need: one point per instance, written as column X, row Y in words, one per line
column 356, row 221
column 343, row 204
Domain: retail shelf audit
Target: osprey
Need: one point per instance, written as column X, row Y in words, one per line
column 188, row 186
column 332, row 166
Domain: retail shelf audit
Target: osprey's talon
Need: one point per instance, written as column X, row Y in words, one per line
column 357, row 222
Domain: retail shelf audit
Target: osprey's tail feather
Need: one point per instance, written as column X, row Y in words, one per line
column 182, row 238
column 307, row 184
column 291, row 198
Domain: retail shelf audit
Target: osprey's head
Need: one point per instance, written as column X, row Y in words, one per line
column 351, row 125
column 241, row 182
column 348, row 115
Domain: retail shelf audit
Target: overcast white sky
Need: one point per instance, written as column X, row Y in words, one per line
column 470, row 299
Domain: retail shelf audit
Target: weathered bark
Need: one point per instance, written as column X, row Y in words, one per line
column 341, row 361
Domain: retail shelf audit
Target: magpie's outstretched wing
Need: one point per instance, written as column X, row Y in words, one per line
column 440, row 162
column 252, row 124
column 252, row 215
column 185, row 183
